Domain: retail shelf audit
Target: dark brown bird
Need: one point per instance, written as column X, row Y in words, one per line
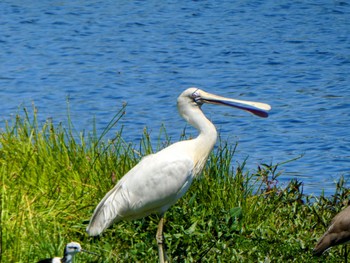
column 338, row 232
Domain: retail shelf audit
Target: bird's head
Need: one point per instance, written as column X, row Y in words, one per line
column 195, row 97
column 72, row 248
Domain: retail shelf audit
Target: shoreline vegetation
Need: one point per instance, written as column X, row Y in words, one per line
column 52, row 179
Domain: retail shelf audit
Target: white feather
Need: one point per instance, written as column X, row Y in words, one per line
column 152, row 186
column 160, row 179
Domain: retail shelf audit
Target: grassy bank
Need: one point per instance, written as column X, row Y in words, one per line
column 52, row 179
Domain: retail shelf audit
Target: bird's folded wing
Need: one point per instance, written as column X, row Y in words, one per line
column 152, row 186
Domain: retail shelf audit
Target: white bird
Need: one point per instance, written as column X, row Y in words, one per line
column 160, row 179
column 70, row 250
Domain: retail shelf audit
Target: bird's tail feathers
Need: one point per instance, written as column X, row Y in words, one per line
column 106, row 213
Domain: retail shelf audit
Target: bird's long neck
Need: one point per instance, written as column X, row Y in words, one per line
column 206, row 139
column 207, row 132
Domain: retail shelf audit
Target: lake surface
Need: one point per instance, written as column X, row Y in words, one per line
column 294, row 55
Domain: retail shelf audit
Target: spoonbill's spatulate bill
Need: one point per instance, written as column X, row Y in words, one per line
column 160, row 179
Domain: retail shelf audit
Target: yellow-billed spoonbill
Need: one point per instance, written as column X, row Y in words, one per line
column 160, row 179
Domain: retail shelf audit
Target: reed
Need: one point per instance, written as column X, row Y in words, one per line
column 52, row 178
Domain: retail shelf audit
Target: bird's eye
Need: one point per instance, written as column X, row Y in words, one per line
column 195, row 95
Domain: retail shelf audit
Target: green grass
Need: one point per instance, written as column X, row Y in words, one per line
column 52, row 178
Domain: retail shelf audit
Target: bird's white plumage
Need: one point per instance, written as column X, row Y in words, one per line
column 152, row 186
column 160, row 179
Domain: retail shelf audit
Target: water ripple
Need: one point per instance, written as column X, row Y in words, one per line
column 294, row 55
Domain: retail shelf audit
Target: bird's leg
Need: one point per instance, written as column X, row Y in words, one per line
column 160, row 240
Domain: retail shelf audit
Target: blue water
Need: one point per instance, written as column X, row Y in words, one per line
column 294, row 55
